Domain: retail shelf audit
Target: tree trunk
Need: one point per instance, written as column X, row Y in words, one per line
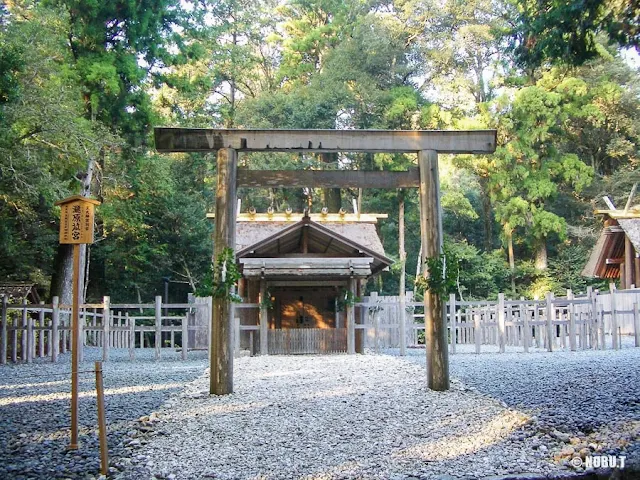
column 512, row 258
column 332, row 196
column 403, row 254
column 487, row 218
column 541, row 255
column 62, row 278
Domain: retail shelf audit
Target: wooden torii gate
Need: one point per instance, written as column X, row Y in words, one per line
column 426, row 143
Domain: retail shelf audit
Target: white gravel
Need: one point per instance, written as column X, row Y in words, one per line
column 326, row 417
column 35, row 409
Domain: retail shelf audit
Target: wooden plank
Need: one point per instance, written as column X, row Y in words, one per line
column 264, row 319
column 477, row 331
column 392, row 141
column 184, row 327
column 55, row 335
column 328, row 178
column 452, row 321
column 23, row 333
column 572, row 322
column 636, row 323
column 501, row 323
column 131, row 323
column 4, row 332
column 106, row 327
column 549, row 322
column 614, row 317
column 526, row 328
column 221, row 362
column 431, row 236
column 158, row 325
column 41, row 332
column 351, row 321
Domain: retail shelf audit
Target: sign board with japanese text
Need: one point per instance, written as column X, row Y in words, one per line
column 76, row 219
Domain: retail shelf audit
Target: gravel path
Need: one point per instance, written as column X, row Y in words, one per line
column 326, row 417
column 35, row 418
column 577, row 400
column 330, row 417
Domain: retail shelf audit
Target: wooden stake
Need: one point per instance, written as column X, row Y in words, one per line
column 3, row 336
column 431, row 235
column 102, row 422
column 75, row 340
column 221, row 363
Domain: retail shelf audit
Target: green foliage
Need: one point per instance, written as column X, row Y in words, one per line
column 442, row 278
column 566, row 30
column 346, row 298
column 223, row 278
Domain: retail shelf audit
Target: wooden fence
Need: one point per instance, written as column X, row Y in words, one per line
column 592, row 320
column 43, row 330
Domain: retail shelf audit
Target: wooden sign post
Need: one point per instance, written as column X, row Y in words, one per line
column 76, row 228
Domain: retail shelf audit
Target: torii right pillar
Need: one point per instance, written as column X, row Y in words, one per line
column 435, row 320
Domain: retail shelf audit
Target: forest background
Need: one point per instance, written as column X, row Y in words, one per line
column 83, row 82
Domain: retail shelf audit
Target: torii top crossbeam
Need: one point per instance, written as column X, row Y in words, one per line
column 376, row 141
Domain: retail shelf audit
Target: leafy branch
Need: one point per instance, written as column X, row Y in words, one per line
column 222, row 278
column 443, row 274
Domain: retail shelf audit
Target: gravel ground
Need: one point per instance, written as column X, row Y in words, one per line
column 326, row 417
column 35, row 418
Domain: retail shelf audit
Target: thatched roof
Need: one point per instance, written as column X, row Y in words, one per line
column 610, row 245
column 631, row 227
column 19, row 291
column 365, row 234
column 331, row 239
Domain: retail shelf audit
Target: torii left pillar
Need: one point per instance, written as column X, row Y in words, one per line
column 435, row 320
column 221, row 359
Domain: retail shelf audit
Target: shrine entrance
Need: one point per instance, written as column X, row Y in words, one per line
column 426, row 143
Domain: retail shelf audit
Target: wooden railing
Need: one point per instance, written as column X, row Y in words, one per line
column 36, row 331
column 590, row 321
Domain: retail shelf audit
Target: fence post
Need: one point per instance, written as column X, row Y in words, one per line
column 549, row 319
column 614, row 317
column 131, row 323
column 3, row 335
column 23, row 337
column 158, row 326
column 351, row 319
column 572, row 321
column 41, row 330
column 82, row 319
column 603, row 332
column 55, row 333
column 30, row 339
column 373, row 301
column 264, row 318
column 452, row 317
column 236, row 336
column 593, row 339
column 501, row 332
column 636, row 323
column 402, row 318
column 477, row 330
column 106, row 327
column 526, row 328
column 185, row 334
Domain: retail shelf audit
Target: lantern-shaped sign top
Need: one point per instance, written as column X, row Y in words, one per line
column 76, row 219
